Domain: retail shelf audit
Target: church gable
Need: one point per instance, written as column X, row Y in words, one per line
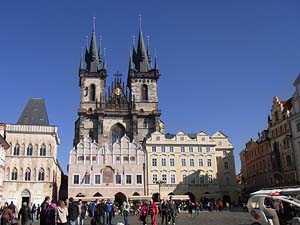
column 117, row 96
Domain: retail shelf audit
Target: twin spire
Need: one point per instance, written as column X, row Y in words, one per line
column 140, row 58
column 93, row 55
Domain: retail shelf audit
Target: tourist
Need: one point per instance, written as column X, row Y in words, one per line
column 62, row 213
column 153, row 211
column 44, row 207
column 109, row 210
column 73, row 212
column 25, row 214
column 33, row 212
column 172, row 210
column 100, row 213
column 82, row 212
column 6, row 215
column 144, row 213
column 38, row 212
column 125, row 212
column 51, row 214
column 164, row 212
column 13, row 207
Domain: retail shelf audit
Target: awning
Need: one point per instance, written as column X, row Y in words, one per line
column 176, row 197
column 90, row 199
column 283, row 191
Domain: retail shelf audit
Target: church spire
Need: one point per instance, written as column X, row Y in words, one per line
column 148, row 50
column 93, row 57
column 142, row 61
column 100, row 50
column 155, row 61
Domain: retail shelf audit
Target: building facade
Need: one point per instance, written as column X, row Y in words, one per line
column 3, row 147
column 31, row 168
column 281, row 143
column 107, row 158
column 197, row 165
column 257, row 169
column 295, row 126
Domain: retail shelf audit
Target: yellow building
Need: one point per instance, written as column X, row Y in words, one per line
column 198, row 165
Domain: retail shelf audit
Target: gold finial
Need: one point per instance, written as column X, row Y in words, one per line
column 140, row 21
column 94, row 24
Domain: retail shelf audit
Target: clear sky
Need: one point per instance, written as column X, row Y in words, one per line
column 221, row 62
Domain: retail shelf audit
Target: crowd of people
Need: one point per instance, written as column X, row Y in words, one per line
column 70, row 212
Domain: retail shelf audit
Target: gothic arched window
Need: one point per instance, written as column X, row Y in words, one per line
column 117, row 132
column 41, row 176
column 29, row 149
column 14, row 174
column 92, row 92
column 17, row 149
column 144, row 92
column 27, row 174
column 43, row 150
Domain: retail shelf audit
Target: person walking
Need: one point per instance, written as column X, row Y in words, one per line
column 62, row 213
column 51, row 214
column 73, row 212
column 24, row 214
column 6, row 215
column 172, row 210
column 33, row 212
column 100, row 213
column 144, row 213
column 44, row 207
column 153, row 211
column 82, row 212
column 38, row 212
column 125, row 211
column 164, row 212
column 109, row 209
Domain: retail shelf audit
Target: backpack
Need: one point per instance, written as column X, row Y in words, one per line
column 50, row 215
column 144, row 211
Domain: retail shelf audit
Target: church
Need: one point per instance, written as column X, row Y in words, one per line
column 108, row 157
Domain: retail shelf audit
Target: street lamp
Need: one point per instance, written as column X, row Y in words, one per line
column 160, row 182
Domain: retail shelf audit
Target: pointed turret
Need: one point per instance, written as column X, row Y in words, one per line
column 131, row 63
column 93, row 57
column 148, row 50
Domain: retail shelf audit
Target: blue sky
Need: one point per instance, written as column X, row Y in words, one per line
column 221, row 62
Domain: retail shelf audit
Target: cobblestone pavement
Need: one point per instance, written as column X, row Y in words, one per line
column 205, row 218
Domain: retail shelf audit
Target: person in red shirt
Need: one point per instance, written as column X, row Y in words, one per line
column 154, row 212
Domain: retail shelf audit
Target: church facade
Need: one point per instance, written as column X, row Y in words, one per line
column 113, row 123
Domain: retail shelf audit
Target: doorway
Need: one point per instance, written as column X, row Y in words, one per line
column 26, row 196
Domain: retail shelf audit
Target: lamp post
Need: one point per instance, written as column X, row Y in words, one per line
column 160, row 182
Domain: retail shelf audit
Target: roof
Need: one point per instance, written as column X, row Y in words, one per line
column 3, row 142
column 35, row 113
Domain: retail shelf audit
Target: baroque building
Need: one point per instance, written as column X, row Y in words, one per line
column 31, row 167
column 197, row 165
column 112, row 124
column 295, row 126
column 3, row 147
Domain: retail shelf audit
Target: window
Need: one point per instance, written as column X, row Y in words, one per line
column 92, row 92
column 153, row 149
column 14, row 174
column 80, row 158
column 184, row 179
column 208, row 149
column 181, row 138
column 288, row 161
column 226, row 166
column 17, row 149
column 27, row 174
column 192, row 180
column 144, row 92
column 203, row 139
column 219, row 143
column 118, row 179
column 41, row 176
column 199, row 149
column 76, row 179
column 163, row 162
column 192, row 163
column 128, row 179
column 97, row 179
column 43, row 150
column 145, row 124
column 158, row 138
column 227, row 179
column 132, row 158
column 163, row 149
column 171, row 149
column 126, row 158
column 173, row 180
column 172, row 162
column 183, row 162
column 276, row 116
column 139, row 179
column 298, row 127
column 154, row 178
column 164, row 178
column 208, row 162
column 201, row 162
column 191, row 149
column 154, row 162
column 118, row 158
column 182, row 149
column 86, row 179
column 202, row 179
column 29, row 149
column 210, row 178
